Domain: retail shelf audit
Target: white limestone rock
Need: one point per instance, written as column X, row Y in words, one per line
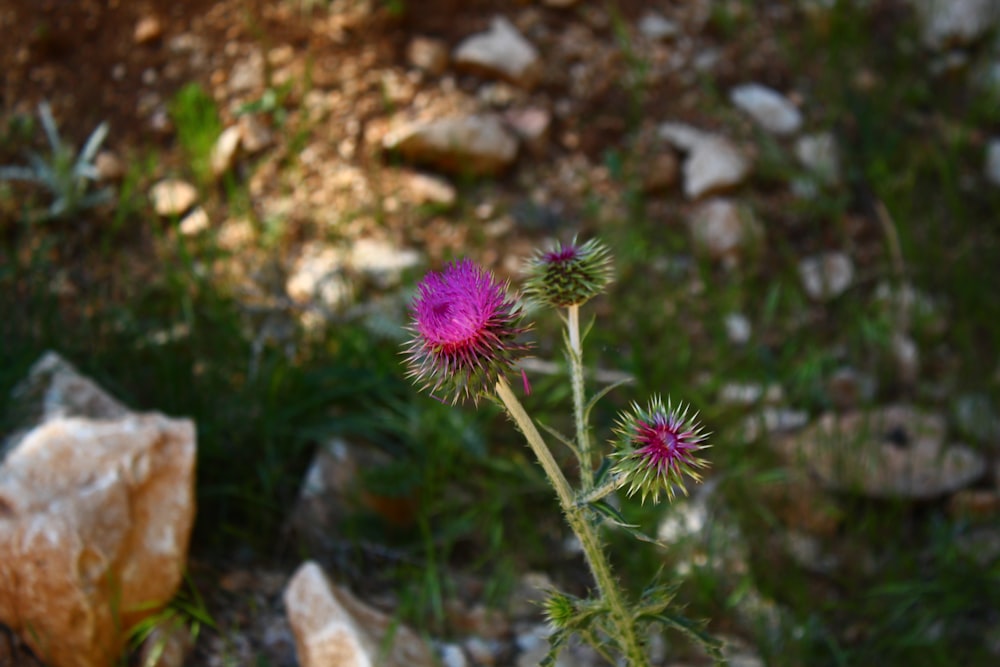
column 723, row 230
column 826, row 276
column 334, row 629
column 172, row 197
column 818, row 153
column 713, row 163
column 501, row 52
column 769, row 108
column 478, row 145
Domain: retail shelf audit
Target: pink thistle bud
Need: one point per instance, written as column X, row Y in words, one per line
column 568, row 275
column 464, row 331
column 656, row 448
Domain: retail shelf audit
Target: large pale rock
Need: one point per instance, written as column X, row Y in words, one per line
column 713, row 163
column 334, row 629
column 501, row 52
column 477, row 145
column 893, row 452
column 95, row 517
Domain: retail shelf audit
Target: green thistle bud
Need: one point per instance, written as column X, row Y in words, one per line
column 568, row 275
column 656, row 448
column 560, row 610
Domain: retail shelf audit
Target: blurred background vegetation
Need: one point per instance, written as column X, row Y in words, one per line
column 143, row 310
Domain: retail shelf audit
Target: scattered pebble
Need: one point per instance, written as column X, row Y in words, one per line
column 738, row 328
column 502, row 52
column 172, row 197
column 826, row 276
column 769, row 108
column 195, row 222
column 428, row 54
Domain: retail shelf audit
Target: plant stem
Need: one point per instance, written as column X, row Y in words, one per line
column 576, row 371
column 622, row 621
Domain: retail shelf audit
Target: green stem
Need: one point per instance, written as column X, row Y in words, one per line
column 586, row 532
column 576, row 371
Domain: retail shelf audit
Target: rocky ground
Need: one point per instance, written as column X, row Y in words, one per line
column 359, row 140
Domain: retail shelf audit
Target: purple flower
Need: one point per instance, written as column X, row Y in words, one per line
column 568, row 275
column 656, row 448
column 465, row 331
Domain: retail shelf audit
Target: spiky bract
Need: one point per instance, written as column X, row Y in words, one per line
column 568, row 275
column 657, row 447
column 465, row 331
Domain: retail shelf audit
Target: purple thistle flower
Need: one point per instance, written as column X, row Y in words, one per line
column 657, row 447
column 465, row 330
column 568, row 275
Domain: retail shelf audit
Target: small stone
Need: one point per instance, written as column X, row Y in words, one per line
column 172, row 197
column 109, row 166
column 195, row 222
column 247, row 74
column 223, row 155
column 255, row 135
column 317, row 278
column 723, row 230
column 740, row 393
column 452, row 656
column 148, row 29
column 481, row 651
column 501, row 52
column 769, row 108
column 477, row 145
column 993, row 162
column 531, row 125
column 382, row 262
column 427, row 54
column 427, row 189
column 332, row 627
column 906, row 354
column 826, row 276
column 657, row 28
column 818, row 153
column 713, row 163
column 738, row 329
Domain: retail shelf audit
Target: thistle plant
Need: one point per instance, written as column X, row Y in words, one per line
column 466, row 341
column 67, row 175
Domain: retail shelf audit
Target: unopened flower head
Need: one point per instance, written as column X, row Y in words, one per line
column 656, row 447
column 465, row 331
column 568, row 275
